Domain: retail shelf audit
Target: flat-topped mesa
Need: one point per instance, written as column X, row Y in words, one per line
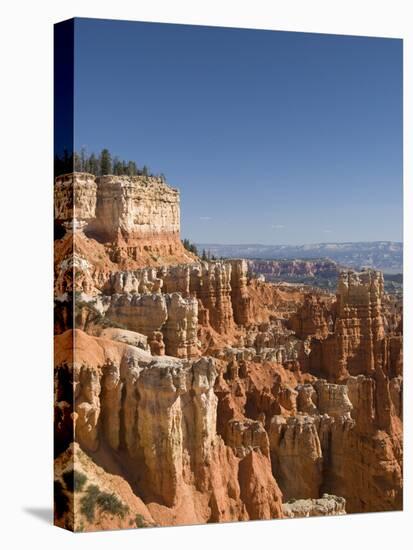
column 290, row 269
column 138, row 207
column 140, row 214
column 138, row 217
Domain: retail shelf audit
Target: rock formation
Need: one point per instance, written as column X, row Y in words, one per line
column 312, row 319
column 327, row 505
column 149, row 413
column 188, row 391
column 75, row 200
column 136, row 218
column 355, row 347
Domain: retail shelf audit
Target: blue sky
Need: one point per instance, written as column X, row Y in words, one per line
column 271, row 137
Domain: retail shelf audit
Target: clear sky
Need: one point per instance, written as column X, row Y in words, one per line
column 271, row 137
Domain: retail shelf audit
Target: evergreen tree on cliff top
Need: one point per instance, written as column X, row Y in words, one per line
column 105, row 162
column 99, row 165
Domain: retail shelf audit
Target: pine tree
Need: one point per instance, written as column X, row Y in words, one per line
column 94, row 165
column 101, row 165
column 117, row 167
column 131, row 169
column 105, row 162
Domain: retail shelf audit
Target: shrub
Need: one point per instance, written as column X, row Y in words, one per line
column 110, row 503
column 74, row 480
column 79, row 480
column 191, row 247
column 88, row 502
column 140, row 520
column 107, row 502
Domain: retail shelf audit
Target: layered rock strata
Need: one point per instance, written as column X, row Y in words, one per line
column 75, row 199
column 136, row 218
column 133, row 413
column 356, row 345
column 197, row 394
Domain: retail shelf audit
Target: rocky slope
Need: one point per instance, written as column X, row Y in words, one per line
column 189, row 392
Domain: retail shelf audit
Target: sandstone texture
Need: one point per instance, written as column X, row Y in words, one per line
column 191, row 391
column 156, row 419
column 136, row 218
column 327, row 505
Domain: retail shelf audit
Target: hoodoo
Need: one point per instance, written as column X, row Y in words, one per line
column 197, row 393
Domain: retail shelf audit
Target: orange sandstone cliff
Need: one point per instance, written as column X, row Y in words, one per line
column 188, row 392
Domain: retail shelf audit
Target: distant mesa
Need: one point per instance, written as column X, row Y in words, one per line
column 386, row 256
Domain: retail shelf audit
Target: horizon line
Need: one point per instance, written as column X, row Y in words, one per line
column 301, row 244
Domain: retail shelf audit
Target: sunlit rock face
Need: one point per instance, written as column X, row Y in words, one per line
column 75, row 197
column 199, row 394
column 356, row 345
column 140, row 215
column 158, row 416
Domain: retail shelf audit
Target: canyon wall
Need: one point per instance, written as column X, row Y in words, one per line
column 136, row 218
column 187, row 391
column 158, row 416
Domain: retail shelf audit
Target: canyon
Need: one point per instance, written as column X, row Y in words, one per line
column 191, row 391
column 386, row 256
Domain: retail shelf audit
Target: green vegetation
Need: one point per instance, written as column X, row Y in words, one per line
column 107, row 502
column 79, row 479
column 88, row 502
column 105, row 162
column 207, row 256
column 100, row 164
column 191, row 247
column 140, row 521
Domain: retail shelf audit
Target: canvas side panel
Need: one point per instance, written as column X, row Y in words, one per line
column 63, row 275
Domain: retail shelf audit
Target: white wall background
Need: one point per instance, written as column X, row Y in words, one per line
column 26, row 270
